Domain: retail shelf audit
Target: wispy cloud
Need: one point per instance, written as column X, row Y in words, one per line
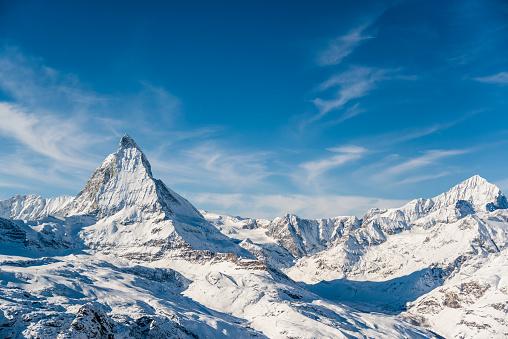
column 340, row 47
column 55, row 129
column 384, row 140
column 9, row 184
column 426, row 159
column 421, row 178
column 30, row 82
column 350, row 113
column 273, row 205
column 21, row 169
column 352, row 84
column 60, row 139
column 342, row 155
column 500, row 78
column 208, row 165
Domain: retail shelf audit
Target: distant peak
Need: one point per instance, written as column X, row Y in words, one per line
column 475, row 181
column 476, row 190
column 128, row 142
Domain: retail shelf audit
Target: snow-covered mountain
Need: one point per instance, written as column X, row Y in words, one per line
column 128, row 257
column 125, row 181
column 124, row 209
column 136, row 215
column 31, row 207
column 406, row 258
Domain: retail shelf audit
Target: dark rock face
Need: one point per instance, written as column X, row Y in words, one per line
column 11, row 232
column 463, row 208
column 501, row 203
column 158, row 327
column 92, row 322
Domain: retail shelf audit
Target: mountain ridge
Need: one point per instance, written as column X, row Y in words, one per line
column 129, row 257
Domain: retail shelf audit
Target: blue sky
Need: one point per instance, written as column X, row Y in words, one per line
column 258, row 108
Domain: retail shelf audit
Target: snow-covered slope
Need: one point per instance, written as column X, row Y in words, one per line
column 31, row 207
column 82, row 296
column 473, row 303
column 290, row 233
column 305, row 236
column 130, row 258
column 125, row 180
column 136, row 215
column 396, row 257
column 398, row 241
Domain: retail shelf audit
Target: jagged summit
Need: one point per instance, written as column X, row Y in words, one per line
column 477, row 191
column 127, row 142
column 125, row 181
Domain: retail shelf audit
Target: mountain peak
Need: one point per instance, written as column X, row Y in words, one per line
column 476, row 190
column 125, row 181
column 476, row 180
column 128, row 142
column 476, row 184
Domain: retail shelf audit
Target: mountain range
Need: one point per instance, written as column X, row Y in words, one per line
column 128, row 257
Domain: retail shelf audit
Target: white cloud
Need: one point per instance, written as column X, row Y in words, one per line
column 9, row 184
column 422, row 178
column 209, row 165
column 55, row 130
column 25, row 171
column 385, row 140
column 345, row 154
column 35, row 85
column 350, row 113
column 500, row 78
column 342, row 46
column 60, row 139
column 351, row 149
column 428, row 158
column 353, row 84
column 272, row 205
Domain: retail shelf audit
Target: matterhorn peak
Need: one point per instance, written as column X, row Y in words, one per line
column 127, row 142
column 125, row 181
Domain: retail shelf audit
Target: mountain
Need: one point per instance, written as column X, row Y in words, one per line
column 31, row 207
column 471, row 303
column 398, row 241
column 125, row 181
column 127, row 257
column 303, row 237
column 124, row 209
column 138, row 216
column 130, row 258
column 406, row 258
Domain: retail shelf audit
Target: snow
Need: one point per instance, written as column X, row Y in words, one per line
column 130, row 258
column 31, row 207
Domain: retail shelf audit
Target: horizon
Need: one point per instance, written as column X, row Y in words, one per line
column 314, row 110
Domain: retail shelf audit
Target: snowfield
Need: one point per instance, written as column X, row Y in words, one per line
column 130, row 258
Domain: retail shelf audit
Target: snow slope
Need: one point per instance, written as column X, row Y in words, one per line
column 397, row 259
column 473, row 302
column 31, row 207
column 130, row 258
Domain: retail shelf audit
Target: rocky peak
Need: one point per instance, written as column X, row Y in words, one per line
column 128, row 142
column 125, row 181
column 481, row 194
